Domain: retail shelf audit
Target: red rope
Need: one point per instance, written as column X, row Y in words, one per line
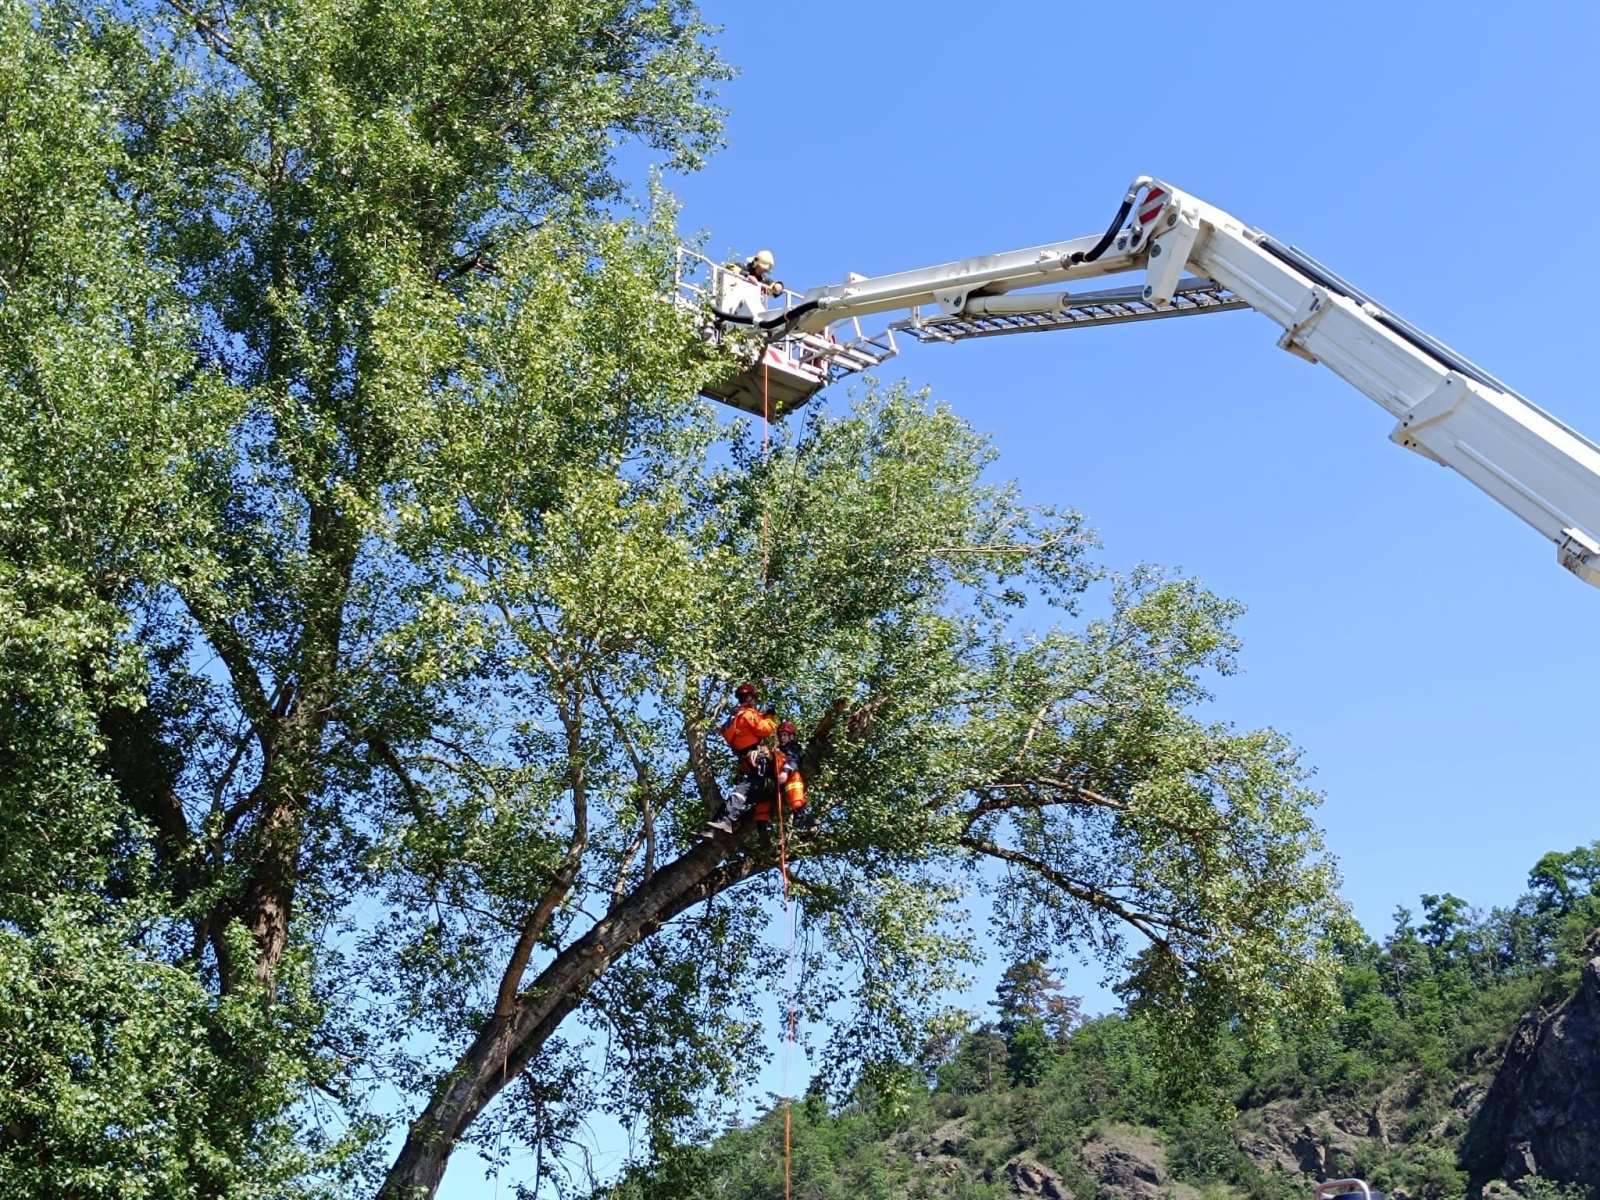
column 778, row 803
column 766, row 442
column 789, row 1034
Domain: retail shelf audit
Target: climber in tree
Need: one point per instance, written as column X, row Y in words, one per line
column 785, row 790
column 746, row 733
column 788, row 770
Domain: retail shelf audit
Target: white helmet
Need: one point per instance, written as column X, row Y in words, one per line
column 763, row 259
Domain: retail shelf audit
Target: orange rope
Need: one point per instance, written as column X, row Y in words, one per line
column 788, row 1050
column 766, row 442
column 778, row 803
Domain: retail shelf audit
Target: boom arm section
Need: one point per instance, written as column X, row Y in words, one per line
column 1198, row 259
column 1445, row 408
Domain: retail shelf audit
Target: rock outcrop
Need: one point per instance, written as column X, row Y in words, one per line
column 940, row 1152
column 1322, row 1146
column 947, row 1141
column 1032, row 1178
column 1542, row 1113
column 1126, row 1167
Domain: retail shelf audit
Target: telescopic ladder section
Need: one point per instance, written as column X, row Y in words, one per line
column 1112, row 306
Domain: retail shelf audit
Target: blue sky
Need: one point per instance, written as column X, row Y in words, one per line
column 1419, row 643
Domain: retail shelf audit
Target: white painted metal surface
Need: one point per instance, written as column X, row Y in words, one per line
column 786, row 366
column 1198, row 259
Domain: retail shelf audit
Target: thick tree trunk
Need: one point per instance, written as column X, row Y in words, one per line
column 506, row 1045
column 293, row 750
column 272, row 883
column 281, row 799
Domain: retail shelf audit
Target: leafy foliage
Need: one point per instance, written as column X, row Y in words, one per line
column 373, row 579
column 1423, row 1019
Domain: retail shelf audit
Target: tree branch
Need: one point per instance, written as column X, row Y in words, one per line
column 506, row 1044
column 235, row 655
column 694, row 740
column 571, row 711
column 385, row 752
column 1145, row 923
column 1074, row 793
column 641, row 773
column 209, row 33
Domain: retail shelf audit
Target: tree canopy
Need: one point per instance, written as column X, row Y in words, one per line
column 1389, row 1084
column 374, row 580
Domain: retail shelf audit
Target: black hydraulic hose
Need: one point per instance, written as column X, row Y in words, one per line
column 1100, row 247
column 1432, row 347
column 789, row 318
column 785, row 319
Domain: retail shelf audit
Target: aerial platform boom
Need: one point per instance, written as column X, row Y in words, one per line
column 1196, row 259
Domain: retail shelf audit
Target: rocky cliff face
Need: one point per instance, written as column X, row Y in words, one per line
column 1542, row 1113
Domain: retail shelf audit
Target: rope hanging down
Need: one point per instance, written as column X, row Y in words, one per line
column 766, row 443
column 783, row 826
column 791, row 1025
column 789, row 990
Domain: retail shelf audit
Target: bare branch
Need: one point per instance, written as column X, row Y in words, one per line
column 1033, row 731
column 694, row 740
column 208, row 31
column 1072, row 793
column 571, row 712
column 641, row 773
column 1146, row 923
column 821, row 738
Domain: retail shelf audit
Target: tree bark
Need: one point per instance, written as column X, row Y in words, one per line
column 514, row 1033
column 506, row 1045
column 292, row 749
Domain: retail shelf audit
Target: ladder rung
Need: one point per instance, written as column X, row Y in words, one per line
column 1094, row 308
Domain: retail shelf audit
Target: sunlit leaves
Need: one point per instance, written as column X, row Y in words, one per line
column 372, row 579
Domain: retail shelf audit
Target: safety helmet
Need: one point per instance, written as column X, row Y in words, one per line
column 786, row 729
column 745, row 691
column 763, row 259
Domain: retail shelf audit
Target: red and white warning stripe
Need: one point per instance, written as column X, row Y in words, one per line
column 1150, row 207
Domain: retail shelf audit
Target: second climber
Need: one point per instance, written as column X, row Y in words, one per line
column 788, row 772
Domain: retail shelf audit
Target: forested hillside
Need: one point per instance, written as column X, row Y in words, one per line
column 1029, row 1099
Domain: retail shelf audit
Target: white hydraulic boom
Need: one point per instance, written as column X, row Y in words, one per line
column 1196, row 259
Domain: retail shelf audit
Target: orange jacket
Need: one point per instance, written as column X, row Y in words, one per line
column 790, row 782
column 748, row 728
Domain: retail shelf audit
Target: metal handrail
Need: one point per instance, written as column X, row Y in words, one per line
column 685, row 284
column 1343, row 1187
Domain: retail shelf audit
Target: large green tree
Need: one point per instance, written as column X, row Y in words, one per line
column 379, row 580
column 124, row 1071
